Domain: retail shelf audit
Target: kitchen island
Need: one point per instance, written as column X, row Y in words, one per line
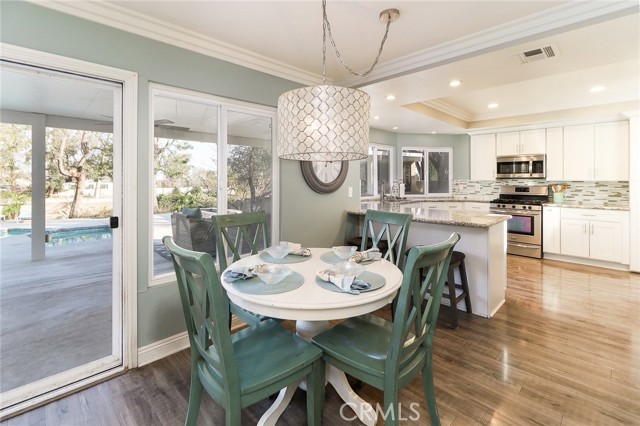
column 484, row 243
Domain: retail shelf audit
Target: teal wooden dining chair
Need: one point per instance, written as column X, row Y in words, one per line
column 238, row 369
column 388, row 227
column 239, row 234
column 388, row 355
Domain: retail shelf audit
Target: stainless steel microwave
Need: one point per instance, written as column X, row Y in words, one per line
column 521, row 166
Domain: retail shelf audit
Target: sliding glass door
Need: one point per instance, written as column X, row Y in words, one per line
column 60, row 243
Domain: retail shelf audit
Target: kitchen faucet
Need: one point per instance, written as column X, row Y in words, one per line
column 381, row 190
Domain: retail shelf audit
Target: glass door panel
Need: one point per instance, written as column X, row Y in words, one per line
column 60, row 278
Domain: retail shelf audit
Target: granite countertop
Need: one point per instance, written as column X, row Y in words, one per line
column 446, row 217
column 571, row 205
column 428, row 200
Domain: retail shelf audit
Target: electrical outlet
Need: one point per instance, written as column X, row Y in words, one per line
column 350, row 192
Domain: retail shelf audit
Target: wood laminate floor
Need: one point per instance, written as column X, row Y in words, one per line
column 563, row 350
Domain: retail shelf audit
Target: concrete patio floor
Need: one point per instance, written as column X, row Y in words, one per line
column 56, row 313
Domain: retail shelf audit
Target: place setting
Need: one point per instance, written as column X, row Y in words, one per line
column 263, row 279
column 349, row 253
column 349, row 277
column 285, row 252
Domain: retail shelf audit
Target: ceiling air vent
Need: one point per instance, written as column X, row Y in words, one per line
column 537, row 54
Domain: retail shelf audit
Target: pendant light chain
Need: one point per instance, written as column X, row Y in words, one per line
column 326, row 26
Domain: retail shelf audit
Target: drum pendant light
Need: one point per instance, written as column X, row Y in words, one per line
column 325, row 122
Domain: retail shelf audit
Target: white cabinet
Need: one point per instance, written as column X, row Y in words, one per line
column 611, row 151
column 578, row 152
column 483, row 157
column 596, row 152
column 595, row 234
column 525, row 142
column 555, row 145
column 551, row 229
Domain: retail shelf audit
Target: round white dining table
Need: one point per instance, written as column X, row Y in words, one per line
column 312, row 306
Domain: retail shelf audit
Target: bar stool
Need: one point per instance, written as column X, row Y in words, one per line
column 456, row 292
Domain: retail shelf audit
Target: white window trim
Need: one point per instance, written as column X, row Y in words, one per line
column 426, row 150
column 224, row 106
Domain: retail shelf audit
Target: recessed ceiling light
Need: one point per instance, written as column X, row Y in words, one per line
column 391, row 97
column 376, row 117
column 433, row 133
column 395, row 127
column 596, row 89
column 455, row 83
column 492, row 105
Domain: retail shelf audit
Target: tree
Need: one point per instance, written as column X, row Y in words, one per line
column 249, row 176
column 75, row 155
column 171, row 162
column 15, row 161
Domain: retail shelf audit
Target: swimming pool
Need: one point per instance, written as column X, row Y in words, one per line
column 62, row 236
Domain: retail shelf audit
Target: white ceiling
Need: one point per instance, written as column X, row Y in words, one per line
column 433, row 42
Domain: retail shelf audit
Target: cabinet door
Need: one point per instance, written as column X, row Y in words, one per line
column 533, row 141
column 508, row 143
column 611, row 149
column 574, row 237
column 483, row 157
column 606, row 241
column 578, row 159
column 551, row 230
column 555, row 155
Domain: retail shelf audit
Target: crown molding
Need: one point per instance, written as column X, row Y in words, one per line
column 448, row 109
column 562, row 18
column 136, row 23
column 568, row 16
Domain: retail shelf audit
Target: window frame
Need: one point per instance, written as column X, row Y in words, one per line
column 224, row 105
column 425, row 151
column 374, row 169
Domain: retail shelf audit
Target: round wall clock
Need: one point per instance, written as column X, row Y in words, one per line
column 324, row 177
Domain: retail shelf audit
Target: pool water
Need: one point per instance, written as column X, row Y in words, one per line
column 77, row 235
column 60, row 237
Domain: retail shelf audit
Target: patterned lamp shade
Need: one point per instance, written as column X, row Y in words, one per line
column 323, row 123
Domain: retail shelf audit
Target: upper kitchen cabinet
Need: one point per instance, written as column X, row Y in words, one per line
column 596, row 152
column 483, row 157
column 525, row 142
column 611, row 151
column 555, row 146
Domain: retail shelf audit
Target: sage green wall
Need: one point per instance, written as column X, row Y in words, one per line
column 307, row 217
column 31, row 26
column 459, row 143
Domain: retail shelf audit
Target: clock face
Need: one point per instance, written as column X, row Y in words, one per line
column 324, row 176
column 327, row 171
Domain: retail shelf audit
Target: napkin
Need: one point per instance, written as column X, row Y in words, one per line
column 371, row 254
column 297, row 249
column 346, row 283
column 238, row 273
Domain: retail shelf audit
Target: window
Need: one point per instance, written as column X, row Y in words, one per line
column 210, row 156
column 376, row 169
column 427, row 171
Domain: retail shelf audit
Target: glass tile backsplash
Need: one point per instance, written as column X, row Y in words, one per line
column 607, row 193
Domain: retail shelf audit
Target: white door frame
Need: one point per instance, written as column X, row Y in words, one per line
column 128, row 257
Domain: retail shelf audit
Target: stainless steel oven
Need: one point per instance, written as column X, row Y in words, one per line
column 524, row 229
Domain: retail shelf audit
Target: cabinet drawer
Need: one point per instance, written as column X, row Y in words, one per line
column 592, row 214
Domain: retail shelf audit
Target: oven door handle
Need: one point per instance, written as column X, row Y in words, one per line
column 516, row 212
column 523, row 245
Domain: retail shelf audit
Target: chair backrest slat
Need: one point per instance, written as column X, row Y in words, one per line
column 418, row 303
column 387, row 222
column 206, row 310
column 238, row 234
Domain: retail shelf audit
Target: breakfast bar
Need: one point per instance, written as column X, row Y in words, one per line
column 484, row 243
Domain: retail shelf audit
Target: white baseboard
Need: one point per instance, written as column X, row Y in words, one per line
column 162, row 348
column 588, row 262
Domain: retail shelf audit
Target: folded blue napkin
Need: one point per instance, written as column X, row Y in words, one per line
column 346, row 283
column 238, row 273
